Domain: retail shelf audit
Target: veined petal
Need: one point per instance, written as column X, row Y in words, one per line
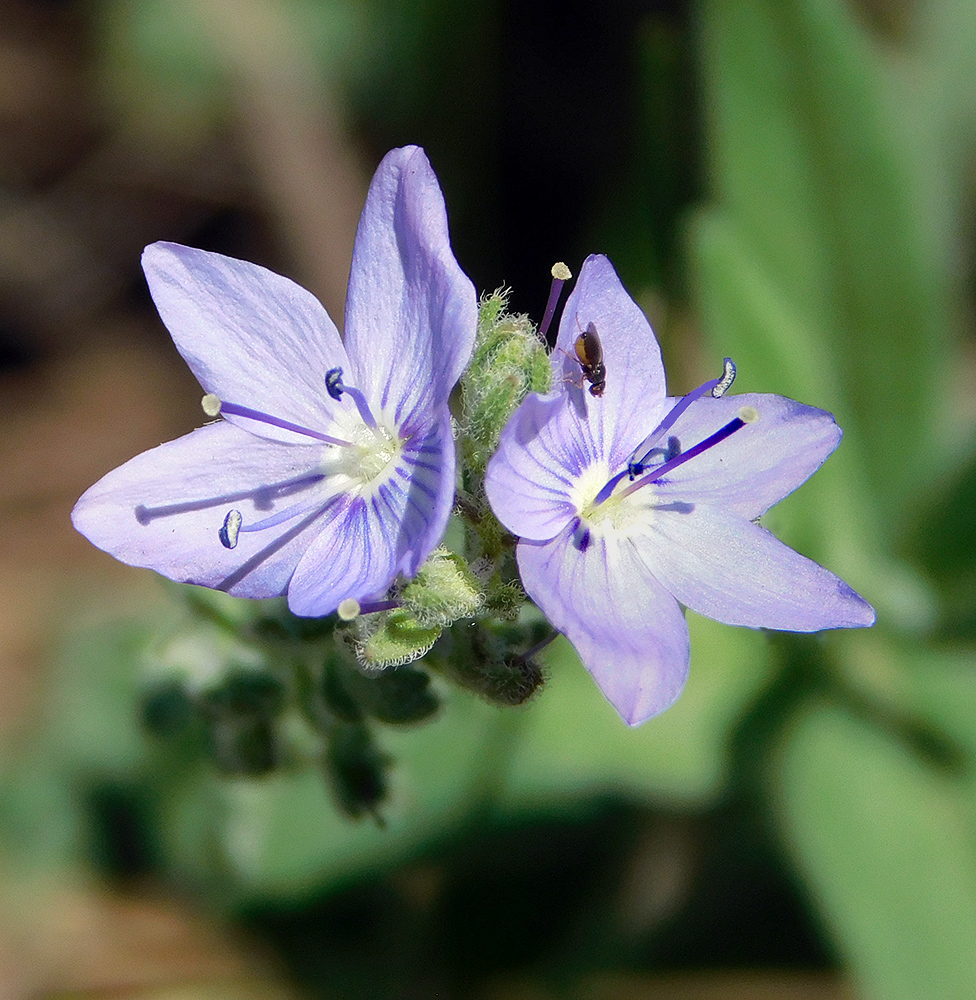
column 722, row 565
column 634, row 397
column 530, row 479
column 163, row 509
column 250, row 336
column 411, row 312
column 628, row 631
column 371, row 538
column 756, row 467
column 429, row 459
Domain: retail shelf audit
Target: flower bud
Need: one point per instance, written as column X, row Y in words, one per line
column 444, row 590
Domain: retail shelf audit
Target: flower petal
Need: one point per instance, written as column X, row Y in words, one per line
column 360, row 550
column 757, row 466
column 164, row 508
column 530, row 479
column 724, row 566
column 634, row 397
column 628, row 631
column 249, row 335
column 411, row 312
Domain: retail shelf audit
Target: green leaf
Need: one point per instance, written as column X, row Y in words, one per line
column 282, row 837
column 887, row 853
column 818, row 180
column 573, row 742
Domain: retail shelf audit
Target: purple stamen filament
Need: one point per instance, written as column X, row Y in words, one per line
column 336, row 387
column 245, row 411
column 560, row 275
column 747, row 415
column 371, row 607
column 737, row 423
column 228, row 534
column 716, row 386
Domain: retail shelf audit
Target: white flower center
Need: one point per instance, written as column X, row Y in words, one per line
column 617, row 515
column 369, row 459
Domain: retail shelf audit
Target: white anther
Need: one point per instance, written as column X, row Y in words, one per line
column 728, row 377
column 561, row 272
column 211, row 405
column 348, row 609
column 230, row 529
column 748, row 414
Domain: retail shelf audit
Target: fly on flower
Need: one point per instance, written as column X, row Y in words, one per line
column 631, row 506
column 332, row 468
column 588, row 349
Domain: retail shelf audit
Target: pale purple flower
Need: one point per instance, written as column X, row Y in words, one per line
column 332, row 470
column 623, row 521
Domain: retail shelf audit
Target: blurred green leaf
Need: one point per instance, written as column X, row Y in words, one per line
column 818, row 183
column 573, row 743
column 282, row 837
column 171, row 66
column 832, row 518
column 887, row 852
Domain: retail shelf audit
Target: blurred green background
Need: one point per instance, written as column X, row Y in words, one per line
column 789, row 182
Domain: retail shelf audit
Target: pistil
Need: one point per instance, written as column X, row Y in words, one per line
column 560, row 275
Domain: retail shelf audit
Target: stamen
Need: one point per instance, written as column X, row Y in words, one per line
column 373, row 606
column 234, row 522
column 335, row 387
column 717, row 387
column 230, row 529
column 213, row 406
column 560, row 275
column 747, row 415
column 725, row 382
column 348, row 609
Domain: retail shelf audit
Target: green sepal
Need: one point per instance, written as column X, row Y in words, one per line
column 391, row 639
column 443, row 591
column 509, row 361
column 503, row 600
column 490, row 660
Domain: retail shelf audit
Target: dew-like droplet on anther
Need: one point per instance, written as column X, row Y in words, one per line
column 716, row 386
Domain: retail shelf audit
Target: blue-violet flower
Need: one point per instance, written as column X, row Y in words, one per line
column 332, row 470
column 629, row 504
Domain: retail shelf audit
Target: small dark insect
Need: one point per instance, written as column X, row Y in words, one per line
column 589, row 354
